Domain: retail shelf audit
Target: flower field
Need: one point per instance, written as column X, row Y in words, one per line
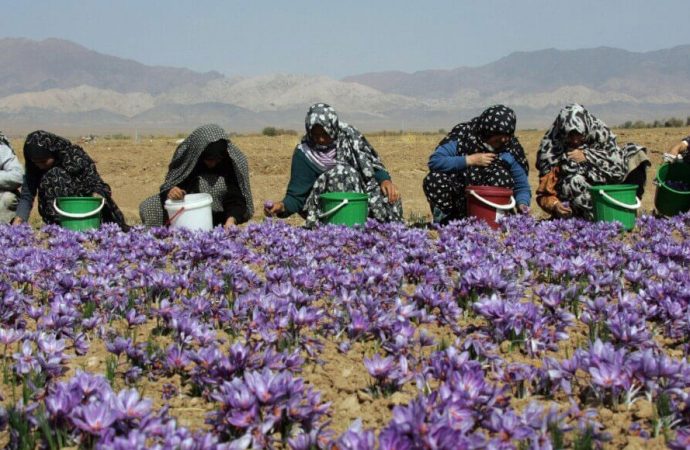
column 544, row 334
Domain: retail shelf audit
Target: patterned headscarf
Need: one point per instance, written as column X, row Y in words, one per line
column 42, row 144
column 350, row 146
column 498, row 119
column 470, row 137
column 324, row 115
column 190, row 150
column 603, row 152
column 574, row 118
column 78, row 165
column 72, row 158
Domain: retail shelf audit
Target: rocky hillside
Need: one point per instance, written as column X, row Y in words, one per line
column 43, row 83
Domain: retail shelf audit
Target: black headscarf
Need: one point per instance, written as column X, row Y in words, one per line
column 78, row 165
column 470, row 136
column 71, row 158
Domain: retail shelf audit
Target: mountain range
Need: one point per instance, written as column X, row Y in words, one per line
column 57, row 83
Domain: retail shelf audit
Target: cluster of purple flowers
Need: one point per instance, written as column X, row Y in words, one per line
column 471, row 318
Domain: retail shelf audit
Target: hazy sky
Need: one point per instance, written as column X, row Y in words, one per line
column 339, row 38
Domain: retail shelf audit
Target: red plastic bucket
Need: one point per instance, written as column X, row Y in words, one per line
column 489, row 203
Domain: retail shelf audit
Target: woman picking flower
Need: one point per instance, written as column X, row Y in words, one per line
column 205, row 162
column 481, row 152
column 580, row 151
column 334, row 157
column 57, row 168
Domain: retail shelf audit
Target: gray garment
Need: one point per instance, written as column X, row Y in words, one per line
column 185, row 159
column 11, row 170
column 188, row 153
column 152, row 210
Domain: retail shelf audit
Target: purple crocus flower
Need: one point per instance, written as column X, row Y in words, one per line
column 130, row 405
column 94, row 418
column 9, row 336
column 50, row 345
column 176, row 358
column 508, row 426
column 607, row 375
column 62, row 401
column 681, row 441
column 379, row 368
column 119, row 345
column 356, row 438
column 26, row 362
column 133, row 318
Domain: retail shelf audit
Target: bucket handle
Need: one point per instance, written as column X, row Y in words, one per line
column 333, row 210
column 78, row 215
column 507, row 207
column 637, row 204
column 174, row 216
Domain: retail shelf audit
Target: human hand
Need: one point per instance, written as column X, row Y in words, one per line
column 677, row 149
column 480, row 159
column 671, row 158
column 273, row 209
column 8, row 200
column 229, row 223
column 577, row 155
column 563, row 210
column 390, row 191
column 524, row 209
column 176, row 194
column 17, row 221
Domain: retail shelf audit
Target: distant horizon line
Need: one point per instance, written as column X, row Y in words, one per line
column 226, row 75
column 123, row 134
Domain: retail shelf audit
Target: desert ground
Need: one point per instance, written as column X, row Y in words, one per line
column 135, row 168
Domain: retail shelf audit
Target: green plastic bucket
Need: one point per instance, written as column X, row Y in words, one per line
column 667, row 200
column 616, row 202
column 79, row 213
column 344, row 208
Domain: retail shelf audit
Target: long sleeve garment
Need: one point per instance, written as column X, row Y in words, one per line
column 303, row 174
column 28, row 194
column 11, row 170
column 521, row 190
column 446, row 159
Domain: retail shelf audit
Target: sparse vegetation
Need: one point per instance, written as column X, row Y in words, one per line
column 117, row 137
column 273, row 131
column 672, row 122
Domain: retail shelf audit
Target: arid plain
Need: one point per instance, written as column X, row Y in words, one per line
column 135, row 167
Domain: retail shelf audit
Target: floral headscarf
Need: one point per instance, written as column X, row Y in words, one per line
column 605, row 158
column 349, row 146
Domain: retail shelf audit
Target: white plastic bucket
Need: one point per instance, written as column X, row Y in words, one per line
column 193, row 212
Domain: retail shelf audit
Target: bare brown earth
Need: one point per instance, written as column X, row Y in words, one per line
column 135, row 170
